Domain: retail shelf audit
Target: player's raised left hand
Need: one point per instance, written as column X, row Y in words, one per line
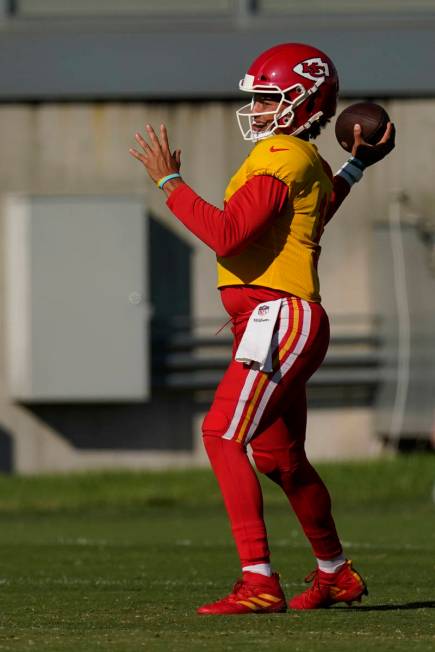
column 370, row 154
column 156, row 156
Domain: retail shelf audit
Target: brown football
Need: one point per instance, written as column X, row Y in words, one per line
column 372, row 118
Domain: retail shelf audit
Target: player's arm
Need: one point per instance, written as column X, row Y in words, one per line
column 226, row 231
column 363, row 155
column 340, row 190
column 245, row 215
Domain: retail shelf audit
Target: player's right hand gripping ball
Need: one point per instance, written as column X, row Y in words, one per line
column 373, row 120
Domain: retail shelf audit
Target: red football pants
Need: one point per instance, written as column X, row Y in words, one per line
column 269, row 412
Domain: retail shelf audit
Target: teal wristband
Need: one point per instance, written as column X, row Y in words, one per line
column 161, row 182
column 355, row 161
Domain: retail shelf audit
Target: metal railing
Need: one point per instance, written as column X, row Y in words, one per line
column 235, row 9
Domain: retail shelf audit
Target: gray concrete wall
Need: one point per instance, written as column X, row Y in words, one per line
column 383, row 48
column 83, row 149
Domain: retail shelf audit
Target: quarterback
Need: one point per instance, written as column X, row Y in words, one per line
column 266, row 240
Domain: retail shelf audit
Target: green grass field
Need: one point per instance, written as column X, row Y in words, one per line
column 119, row 561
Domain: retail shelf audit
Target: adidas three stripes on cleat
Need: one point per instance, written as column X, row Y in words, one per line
column 253, row 594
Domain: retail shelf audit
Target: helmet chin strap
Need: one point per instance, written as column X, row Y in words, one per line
column 291, row 115
column 287, row 123
column 256, row 136
column 269, row 132
column 307, row 124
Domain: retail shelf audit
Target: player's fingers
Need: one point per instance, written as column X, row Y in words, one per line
column 387, row 144
column 142, row 142
column 137, row 155
column 357, row 135
column 389, row 134
column 164, row 138
column 177, row 156
column 152, row 134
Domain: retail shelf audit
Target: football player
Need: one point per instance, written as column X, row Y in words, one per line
column 267, row 244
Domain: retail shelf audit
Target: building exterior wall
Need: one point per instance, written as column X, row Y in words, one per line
column 83, row 149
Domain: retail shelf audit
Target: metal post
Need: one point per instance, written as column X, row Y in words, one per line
column 10, row 7
column 403, row 317
column 245, row 10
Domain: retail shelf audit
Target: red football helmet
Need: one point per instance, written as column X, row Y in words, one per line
column 304, row 81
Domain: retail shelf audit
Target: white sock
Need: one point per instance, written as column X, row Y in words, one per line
column 263, row 569
column 331, row 565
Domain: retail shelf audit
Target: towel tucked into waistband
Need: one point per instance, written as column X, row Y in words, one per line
column 256, row 344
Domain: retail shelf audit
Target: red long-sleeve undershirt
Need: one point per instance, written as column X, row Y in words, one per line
column 244, row 216
column 340, row 191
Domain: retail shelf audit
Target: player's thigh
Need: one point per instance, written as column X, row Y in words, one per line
column 231, row 400
column 288, row 429
column 301, row 351
column 281, row 445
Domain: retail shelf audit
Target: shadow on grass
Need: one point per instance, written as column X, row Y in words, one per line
column 429, row 604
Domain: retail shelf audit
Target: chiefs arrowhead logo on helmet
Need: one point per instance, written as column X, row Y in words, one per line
column 313, row 69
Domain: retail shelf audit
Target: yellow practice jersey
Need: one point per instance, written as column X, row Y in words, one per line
column 285, row 256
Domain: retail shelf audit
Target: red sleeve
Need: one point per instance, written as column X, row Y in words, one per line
column 339, row 192
column 248, row 211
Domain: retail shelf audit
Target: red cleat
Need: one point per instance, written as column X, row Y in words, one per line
column 254, row 594
column 346, row 585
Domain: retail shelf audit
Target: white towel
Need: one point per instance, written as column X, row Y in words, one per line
column 256, row 344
